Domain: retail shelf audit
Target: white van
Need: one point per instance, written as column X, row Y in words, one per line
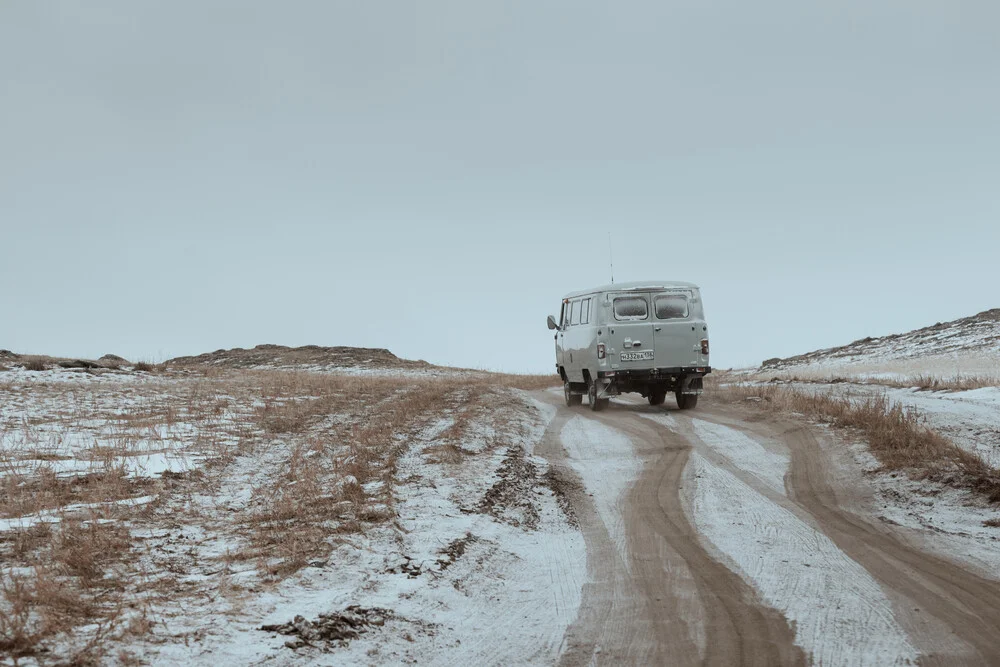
column 644, row 337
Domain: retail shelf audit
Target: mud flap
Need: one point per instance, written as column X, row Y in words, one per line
column 692, row 385
column 606, row 388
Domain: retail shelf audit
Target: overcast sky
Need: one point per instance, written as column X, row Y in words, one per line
column 177, row 177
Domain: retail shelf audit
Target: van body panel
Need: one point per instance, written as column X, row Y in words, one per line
column 579, row 343
column 630, row 338
column 678, row 337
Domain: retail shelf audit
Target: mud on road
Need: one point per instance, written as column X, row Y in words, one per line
column 720, row 540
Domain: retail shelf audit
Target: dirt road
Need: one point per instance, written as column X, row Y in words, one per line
column 718, row 537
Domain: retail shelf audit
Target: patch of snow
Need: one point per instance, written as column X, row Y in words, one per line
column 840, row 613
column 56, row 515
column 605, row 460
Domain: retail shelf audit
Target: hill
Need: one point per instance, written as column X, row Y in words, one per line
column 308, row 357
column 974, row 336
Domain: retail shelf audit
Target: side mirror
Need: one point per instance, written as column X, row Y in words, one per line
column 552, row 323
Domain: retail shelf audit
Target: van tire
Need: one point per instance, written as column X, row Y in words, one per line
column 657, row 396
column 686, row 401
column 596, row 404
column 572, row 400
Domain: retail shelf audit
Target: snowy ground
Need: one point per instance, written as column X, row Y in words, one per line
column 400, row 517
column 839, row 610
column 463, row 587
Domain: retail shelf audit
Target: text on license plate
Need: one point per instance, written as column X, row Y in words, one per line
column 645, row 355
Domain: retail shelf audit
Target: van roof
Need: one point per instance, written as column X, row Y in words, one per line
column 637, row 286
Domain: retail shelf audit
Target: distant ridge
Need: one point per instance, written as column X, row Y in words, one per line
column 979, row 333
column 307, row 356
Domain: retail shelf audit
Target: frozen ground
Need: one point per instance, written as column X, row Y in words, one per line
column 463, row 586
column 402, row 517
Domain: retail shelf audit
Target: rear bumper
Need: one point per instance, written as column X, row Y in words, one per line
column 657, row 373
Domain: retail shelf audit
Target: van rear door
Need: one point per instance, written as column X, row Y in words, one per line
column 630, row 329
column 678, row 329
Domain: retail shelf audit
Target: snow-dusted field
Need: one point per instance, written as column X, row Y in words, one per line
column 367, row 518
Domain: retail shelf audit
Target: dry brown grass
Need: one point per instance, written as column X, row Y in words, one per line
column 68, row 585
column 35, row 364
column 955, row 383
column 896, row 434
column 22, row 494
column 321, row 490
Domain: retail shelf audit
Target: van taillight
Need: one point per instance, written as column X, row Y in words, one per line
column 601, row 351
column 704, row 346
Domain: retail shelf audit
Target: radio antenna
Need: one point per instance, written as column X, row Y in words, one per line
column 611, row 257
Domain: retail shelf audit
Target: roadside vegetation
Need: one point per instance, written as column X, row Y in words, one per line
column 921, row 381
column 896, row 434
column 125, row 494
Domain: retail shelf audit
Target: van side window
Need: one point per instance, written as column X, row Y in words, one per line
column 563, row 316
column 576, row 313
column 585, row 312
column 631, row 308
column 671, row 306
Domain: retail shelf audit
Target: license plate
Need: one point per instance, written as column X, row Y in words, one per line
column 645, row 355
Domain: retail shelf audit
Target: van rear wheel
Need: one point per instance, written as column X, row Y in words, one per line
column 657, row 396
column 596, row 404
column 686, row 401
column 572, row 400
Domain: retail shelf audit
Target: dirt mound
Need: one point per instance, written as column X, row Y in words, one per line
column 39, row 362
column 510, row 499
column 308, row 356
column 979, row 333
column 339, row 627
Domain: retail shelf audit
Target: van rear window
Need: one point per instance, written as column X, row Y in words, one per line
column 631, row 308
column 671, row 306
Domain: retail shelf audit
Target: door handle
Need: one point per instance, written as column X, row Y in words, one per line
column 637, row 343
column 658, row 329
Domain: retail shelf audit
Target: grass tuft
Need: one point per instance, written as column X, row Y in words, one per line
column 34, row 364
